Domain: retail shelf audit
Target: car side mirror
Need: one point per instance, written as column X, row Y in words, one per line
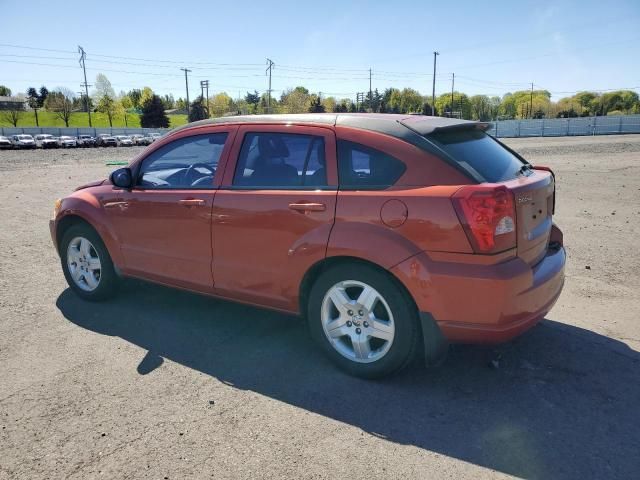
column 122, row 178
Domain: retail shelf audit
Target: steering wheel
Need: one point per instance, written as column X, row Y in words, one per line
column 188, row 174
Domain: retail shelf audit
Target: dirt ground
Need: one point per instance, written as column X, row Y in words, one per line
column 168, row 385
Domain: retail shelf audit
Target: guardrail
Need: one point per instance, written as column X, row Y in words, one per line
column 562, row 127
column 74, row 132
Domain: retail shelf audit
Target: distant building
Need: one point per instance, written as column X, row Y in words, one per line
column 13, row 103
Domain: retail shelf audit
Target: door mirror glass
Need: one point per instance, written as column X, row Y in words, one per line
column 122, row 178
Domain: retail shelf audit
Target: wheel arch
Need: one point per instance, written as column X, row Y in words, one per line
column 434, row 346
column 77, row 218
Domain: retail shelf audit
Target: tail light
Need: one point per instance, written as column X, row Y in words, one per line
column 488, row 215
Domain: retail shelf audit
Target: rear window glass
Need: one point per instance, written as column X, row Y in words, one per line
column 478, row 152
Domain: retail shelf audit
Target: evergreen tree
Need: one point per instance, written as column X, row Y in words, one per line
column 198, row 110
column 316, row 105
column 44, row 93
column 153, row 115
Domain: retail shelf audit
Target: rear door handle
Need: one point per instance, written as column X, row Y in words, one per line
column 308, row 207
column 190, row 202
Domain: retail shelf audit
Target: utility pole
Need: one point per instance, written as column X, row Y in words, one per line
column 86, row 86
column 270, row 65
column 453, row 80
column 204, row 88
column 433, row 92
column 531, row 102
column 370, row 92
column 186, row 83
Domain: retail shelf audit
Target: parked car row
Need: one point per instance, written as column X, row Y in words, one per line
column 45, row 140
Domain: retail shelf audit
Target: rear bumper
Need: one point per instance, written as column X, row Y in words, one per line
column 474, row 303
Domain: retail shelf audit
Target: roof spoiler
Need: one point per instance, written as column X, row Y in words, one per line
column 431, row 125
column 484, row 126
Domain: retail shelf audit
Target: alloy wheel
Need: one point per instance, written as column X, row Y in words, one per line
column 357, row 321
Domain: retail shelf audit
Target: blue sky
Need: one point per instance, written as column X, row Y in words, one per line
column 493, row 47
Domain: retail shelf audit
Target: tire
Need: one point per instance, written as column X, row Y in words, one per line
column 89, row 280
column 378, row 340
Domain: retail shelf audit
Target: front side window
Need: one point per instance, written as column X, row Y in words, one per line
column 189, row 162
column 287, row 160
column 362, row 167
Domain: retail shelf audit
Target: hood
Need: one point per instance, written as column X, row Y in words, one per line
column 90, row 184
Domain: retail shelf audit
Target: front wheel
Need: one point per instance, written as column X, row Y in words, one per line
column 86, row 264
column 363, row 320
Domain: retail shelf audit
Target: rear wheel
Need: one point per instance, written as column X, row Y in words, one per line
column 86, row 264
column 363, row 320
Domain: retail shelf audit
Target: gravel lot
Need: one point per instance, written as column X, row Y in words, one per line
column 166, row 384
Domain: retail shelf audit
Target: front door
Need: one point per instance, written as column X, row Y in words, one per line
column 273, row 213
column 164, row 223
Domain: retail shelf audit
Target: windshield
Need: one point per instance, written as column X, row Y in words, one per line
column 479, row 153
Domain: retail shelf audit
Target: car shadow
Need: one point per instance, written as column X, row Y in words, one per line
column 561, row 402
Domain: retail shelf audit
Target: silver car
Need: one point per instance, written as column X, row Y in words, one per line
column 45, row 140
column 5, row 142
column 124, row 141
column 23, row 141
column 67, row 142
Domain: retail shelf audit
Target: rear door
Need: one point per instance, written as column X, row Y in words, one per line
column 273, row 212
column 489, row 161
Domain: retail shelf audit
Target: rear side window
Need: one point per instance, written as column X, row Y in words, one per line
column 281, row 160
column 478, row 153
column 361, row 167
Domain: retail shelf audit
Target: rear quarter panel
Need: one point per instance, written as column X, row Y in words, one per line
column 422, row 217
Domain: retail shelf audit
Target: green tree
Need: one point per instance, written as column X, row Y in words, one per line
column 220, row 104
column 5, row 91
column 42, row 96
column 33, row 99
column 60, row 101
column 107, row 105
column 295, row 100
column 198, row 110
column 124, row 107
column 12, row 115
column 153, row 114
column 252, row 99
column 315, row 104
column 146, row 96
column 136, row 96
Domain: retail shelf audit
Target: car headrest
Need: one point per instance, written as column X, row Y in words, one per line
column 272, row 146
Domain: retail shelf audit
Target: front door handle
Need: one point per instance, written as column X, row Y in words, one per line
column 122, row 205
column 308, row 207
column 191, row 202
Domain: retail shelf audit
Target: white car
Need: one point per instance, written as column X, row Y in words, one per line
column 23, row 141
column 5, row 142
column 155, row 136
column 124, row 141
column 67, row 142
column 45, row 140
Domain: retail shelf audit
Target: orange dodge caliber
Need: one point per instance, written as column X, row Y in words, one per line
column 392, row 234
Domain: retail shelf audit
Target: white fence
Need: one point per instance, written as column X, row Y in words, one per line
column 562, row 127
